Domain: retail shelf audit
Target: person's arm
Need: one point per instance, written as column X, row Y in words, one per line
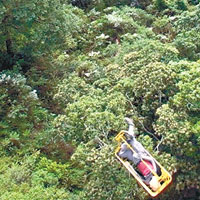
column 131, row 156
column 148, row 158
column 123, row 149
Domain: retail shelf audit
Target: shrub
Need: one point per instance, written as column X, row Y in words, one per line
column 178, row 124
column 187, row 44
column 181, row 5
column 160, row 5
column 20, row 110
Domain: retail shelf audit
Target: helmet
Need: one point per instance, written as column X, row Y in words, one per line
column 154, row 184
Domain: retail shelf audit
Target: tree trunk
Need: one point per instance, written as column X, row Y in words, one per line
column 9, row 47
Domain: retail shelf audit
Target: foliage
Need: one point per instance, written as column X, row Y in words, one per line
column 92, row 115
column 160, row 4
column 33, row 28
column 74, row 73
column 20, row 110
column 181, row 127
column 181, row 5
column 102, row 164
column 193, row 2
column 150, row 92
column 99, row 5
column 187, row 32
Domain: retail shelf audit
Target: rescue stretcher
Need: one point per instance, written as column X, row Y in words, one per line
column 165, row 178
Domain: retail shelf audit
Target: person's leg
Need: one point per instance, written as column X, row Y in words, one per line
column 129, row 121
column 130, row 126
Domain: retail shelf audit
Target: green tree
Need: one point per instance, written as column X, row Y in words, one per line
column 178, row 123
column 33, row 28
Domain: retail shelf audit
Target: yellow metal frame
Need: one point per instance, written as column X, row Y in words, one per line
column 165, row 178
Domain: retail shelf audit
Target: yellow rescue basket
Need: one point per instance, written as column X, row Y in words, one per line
column 165, row 178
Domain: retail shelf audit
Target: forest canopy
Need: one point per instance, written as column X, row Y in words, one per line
column 71, row 70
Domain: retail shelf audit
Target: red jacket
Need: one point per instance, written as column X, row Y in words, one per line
column 143, row 168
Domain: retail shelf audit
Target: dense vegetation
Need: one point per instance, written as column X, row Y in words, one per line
column 72, row 70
